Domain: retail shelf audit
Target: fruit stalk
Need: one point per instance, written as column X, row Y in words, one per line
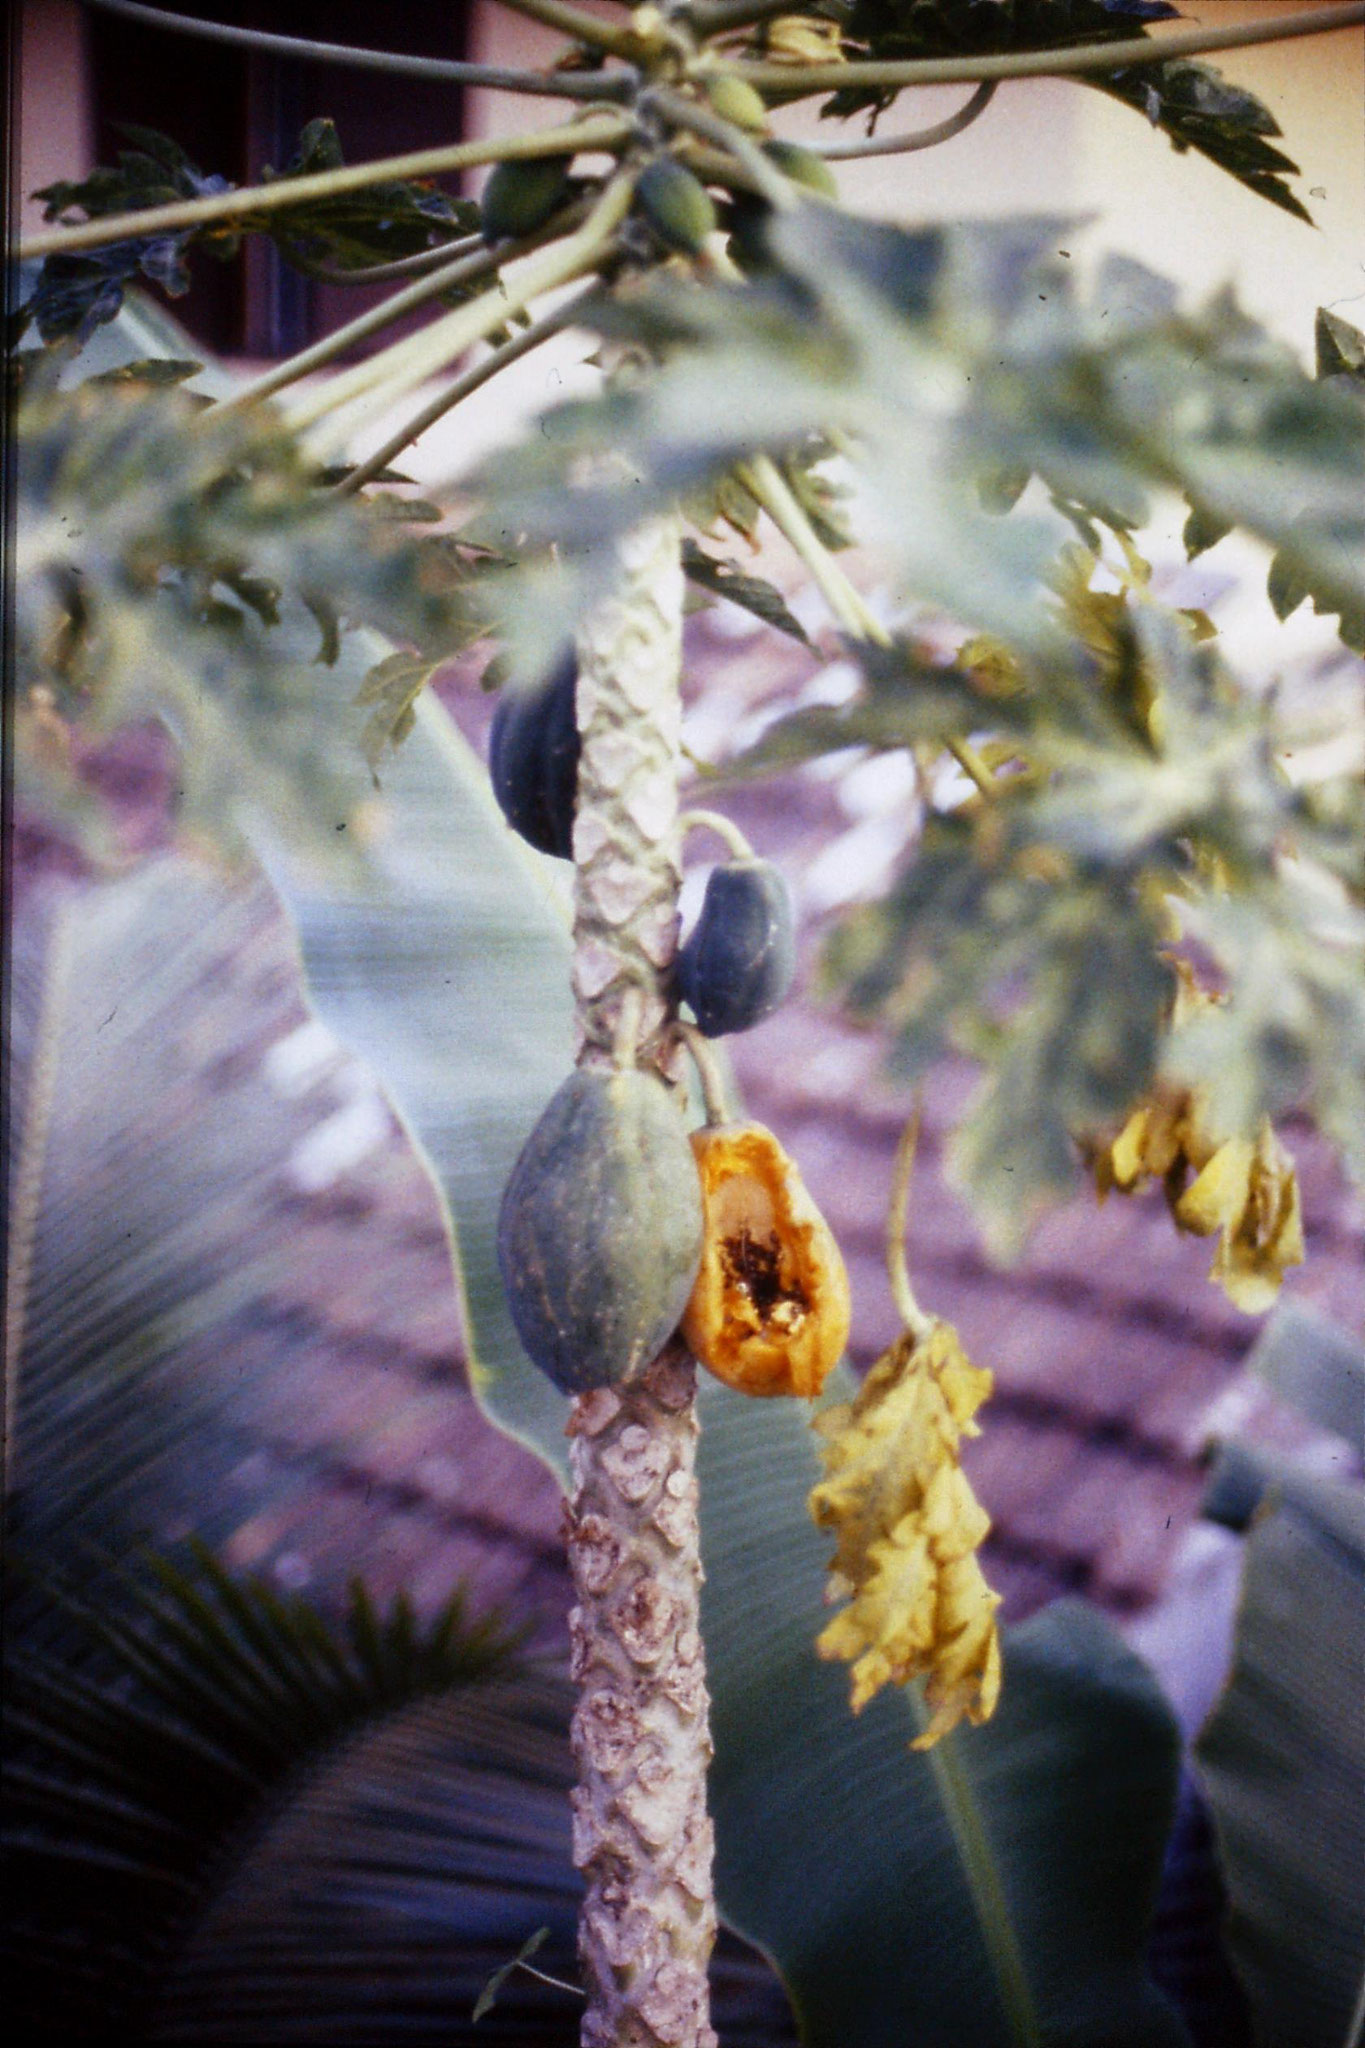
column 641, row 1737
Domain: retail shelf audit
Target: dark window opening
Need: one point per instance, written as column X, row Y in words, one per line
column 234, row 112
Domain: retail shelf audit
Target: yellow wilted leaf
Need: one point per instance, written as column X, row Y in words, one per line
column 1242, row 1187
column 1248, row 1192
column 803, row 39
column 907, row 1528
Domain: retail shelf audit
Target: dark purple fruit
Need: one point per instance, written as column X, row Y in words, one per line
column 600, row 1232
column 533, row 749
column 738, row 964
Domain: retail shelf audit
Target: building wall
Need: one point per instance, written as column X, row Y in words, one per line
column 1043, row 145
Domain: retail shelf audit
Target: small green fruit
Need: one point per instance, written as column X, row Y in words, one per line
column 735, row 100
column 677, row 206
column 600, row 1232
column 521, row 196
column 803, row 167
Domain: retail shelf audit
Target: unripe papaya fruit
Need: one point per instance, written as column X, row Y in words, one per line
column 599, row 1237
column 739, row 961
column 803, row 167
column 533, row 749
column 677, row 206
column 735, row 100
column 521, row 195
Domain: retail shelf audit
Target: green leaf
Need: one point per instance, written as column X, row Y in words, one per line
column 446, row 966
column 1283, row 1763
column 1191, row 102
column 1315, row 1364
column 133, row 1265
column 1340, row 347
column 488, row 1997
column 753, row 593
column 836, row 1850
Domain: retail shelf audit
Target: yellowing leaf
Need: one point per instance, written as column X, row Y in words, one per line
column 1248, row 1192
column 803, row 39
column 907, row 1528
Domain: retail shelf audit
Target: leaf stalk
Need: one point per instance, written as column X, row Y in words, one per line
column 802, row 81
column 605, row 132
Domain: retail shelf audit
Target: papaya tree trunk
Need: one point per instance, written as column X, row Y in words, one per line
column 641, row 1737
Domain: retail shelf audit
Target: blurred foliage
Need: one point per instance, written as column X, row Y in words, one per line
column 75, row 294
column 170, row 563
column 1186, row 98
column 198, row 1701
column 1138, row 799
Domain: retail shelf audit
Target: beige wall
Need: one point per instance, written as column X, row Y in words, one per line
column 54, row 109
column 1048, row 145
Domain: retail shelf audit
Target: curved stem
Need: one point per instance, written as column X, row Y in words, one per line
column 576, row 22
column 604, row 132
column 973, row 767
column 723, row 827
column 416, row 265
column 462, row 271
column 919, row 138
column 775, row 495
column 398, row 369
column 897, row 1270
column 686, row 113
column 440, row 70
column 445, row 401
column 714, row 1094
column 800, row 82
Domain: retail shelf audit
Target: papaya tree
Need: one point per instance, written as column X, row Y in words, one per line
column 1118, row 903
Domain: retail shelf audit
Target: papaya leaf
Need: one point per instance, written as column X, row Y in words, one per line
column 898, row 1936
column 169, row 573
column 1282, row 1760
column 752, row 593
column 1190, row 101
column 73, row 295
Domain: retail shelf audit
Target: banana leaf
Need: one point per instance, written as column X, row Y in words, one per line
column 1282, row 1760
column 135, row 1260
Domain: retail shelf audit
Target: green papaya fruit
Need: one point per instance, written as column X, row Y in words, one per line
column 677, row 205
column 521, row 196
column 739, row 961
column 600, row 1231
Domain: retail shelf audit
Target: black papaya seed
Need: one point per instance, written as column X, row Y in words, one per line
column 520, row 196
column 677, row 206
column 533, row 749
column 739, row 962
column 600, row 1231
